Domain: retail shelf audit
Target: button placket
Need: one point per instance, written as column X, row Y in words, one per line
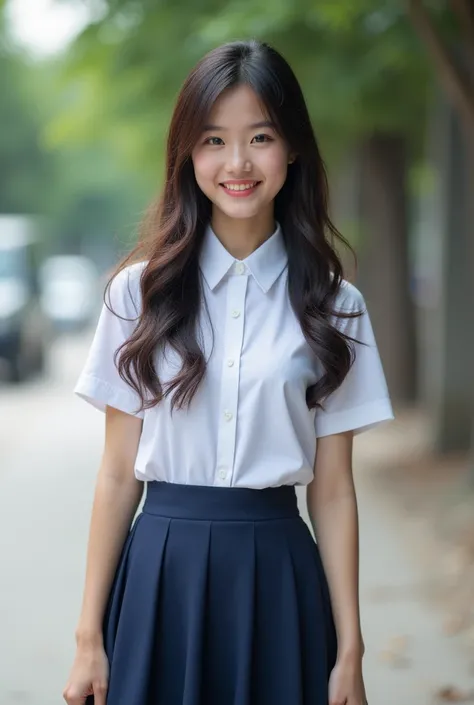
column 233, row 339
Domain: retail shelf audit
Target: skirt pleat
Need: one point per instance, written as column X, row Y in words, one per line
column 180, row 628
column 219, row 598
column 130, row 628
column 230, row 614
column 277, row 663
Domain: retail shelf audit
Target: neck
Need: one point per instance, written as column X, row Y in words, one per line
column 242, row 236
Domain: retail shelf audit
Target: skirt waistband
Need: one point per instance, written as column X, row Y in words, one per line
column 220, row 503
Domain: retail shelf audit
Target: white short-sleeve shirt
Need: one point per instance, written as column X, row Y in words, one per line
column 248, row 424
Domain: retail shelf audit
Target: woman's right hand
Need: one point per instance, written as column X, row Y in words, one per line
column 89, row 676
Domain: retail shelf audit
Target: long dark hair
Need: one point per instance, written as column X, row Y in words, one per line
column 173, row 230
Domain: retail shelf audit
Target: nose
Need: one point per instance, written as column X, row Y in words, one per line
column 237, row 160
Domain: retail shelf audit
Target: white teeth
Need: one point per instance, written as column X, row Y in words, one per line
column 240, row 187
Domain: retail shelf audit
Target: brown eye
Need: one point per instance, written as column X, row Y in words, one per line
column 210, row 141
column 262, row 138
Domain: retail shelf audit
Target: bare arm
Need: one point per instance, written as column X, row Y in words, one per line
column 117, row 496
column 332, row 508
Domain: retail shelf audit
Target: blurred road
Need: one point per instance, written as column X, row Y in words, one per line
column 50, row 445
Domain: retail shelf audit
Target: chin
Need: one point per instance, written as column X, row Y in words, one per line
column 242, row 214
column 241, row 210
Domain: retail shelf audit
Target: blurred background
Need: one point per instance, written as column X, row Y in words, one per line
column 86, row 92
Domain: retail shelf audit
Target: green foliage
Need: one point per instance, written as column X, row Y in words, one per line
column 360, row 64
column 83, row 137
column 23, row 166
column 84, row 189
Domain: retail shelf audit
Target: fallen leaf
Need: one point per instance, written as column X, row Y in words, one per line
column 395, row 654
column 395, row 660
column 454, row 624
column 451, row 694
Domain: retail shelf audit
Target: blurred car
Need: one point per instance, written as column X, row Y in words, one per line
column 69, row 292
column 24, row 331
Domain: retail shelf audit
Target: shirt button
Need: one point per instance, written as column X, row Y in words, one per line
column 230, row 362
column 223, row 474
column 228, row 415
column 240, row 267
column 235, row 313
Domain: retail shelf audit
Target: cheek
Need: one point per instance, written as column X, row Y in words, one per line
column 204, row 166
column 276, row 165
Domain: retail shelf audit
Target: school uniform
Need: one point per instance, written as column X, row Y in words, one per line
column 220, row 597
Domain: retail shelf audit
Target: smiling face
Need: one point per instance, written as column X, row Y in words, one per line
column 240, row 161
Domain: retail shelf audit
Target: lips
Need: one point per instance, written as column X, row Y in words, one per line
column 240, row 188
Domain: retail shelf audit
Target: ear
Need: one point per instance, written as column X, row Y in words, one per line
column 291, row 158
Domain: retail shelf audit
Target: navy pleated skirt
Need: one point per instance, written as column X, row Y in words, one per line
column 220, row 598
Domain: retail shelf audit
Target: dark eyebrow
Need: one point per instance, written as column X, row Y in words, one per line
column 217, row 128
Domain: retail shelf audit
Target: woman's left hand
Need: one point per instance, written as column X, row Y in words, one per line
column 346, row 683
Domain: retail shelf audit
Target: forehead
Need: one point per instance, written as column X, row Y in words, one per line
column 237, row 105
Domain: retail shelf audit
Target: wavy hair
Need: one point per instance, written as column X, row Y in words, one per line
column 174, row 226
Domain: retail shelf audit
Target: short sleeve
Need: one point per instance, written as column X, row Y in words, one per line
column 362, row 401
column 99, row 382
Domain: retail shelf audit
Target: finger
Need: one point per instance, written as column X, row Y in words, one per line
column 100, row 692
column 73, row 696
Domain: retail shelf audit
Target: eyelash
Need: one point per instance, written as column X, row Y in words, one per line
column 261, row 134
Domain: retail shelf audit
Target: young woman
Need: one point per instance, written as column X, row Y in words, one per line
column 233, row 363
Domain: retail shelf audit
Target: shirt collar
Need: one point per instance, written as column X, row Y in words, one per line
column 265, row 264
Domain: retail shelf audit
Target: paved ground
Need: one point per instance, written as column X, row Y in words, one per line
column 50, row 446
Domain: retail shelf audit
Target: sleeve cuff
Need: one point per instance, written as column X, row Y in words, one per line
column 100, row 394
column 359, row 419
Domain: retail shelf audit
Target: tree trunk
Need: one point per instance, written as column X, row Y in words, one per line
column 384, row 258
column 454, row 69
column 453, row 330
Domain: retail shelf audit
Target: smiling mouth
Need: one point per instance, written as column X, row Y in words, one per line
column 240, row 189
